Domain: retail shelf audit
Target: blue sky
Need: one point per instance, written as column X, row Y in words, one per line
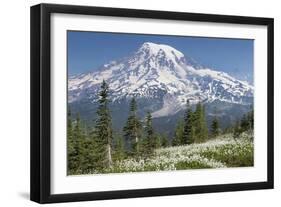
column 87, row 51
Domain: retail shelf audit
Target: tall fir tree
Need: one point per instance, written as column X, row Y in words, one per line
column 201, row 130
column 132, row 128
column 215, row 126
column 119, row 149
column 178, row 137
column 75, row 151
column 251, row 119
column 149, row 142
column 89, row 154
column 94, row 152
column 71, row 151
column 103, row 130
column 205, row 130
column 188, row 131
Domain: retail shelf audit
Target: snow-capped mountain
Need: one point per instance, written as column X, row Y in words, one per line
column 164, row 77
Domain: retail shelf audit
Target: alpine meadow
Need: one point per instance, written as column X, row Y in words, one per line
column 142, row 103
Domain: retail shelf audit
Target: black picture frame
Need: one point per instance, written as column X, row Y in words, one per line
column 40, row 184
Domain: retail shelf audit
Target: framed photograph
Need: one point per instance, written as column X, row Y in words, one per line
column 133, row 103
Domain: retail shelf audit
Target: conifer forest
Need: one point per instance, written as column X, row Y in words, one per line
column 138, row 147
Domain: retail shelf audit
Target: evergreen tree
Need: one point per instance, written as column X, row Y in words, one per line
column 164, row 140
column 132, row 129
column 89, row 155
column 75, row 157
column 247, row 121
column 244, row 124
column 103, row 130
column 205, row 131
column 161, row 140
column 83, row 148
column 158, row 140
column 192, row 133
column 251, row 119
column 149, row 142
column 79, row 147
column 201, row 130
column 178, row 138
column 188, row 136
column 119, row 149
column 215, row 128
column 93, row 154
column 71, row 153
column 237, row 130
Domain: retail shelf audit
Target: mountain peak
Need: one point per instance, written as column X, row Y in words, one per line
column 160, row 72
column 155, row 49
